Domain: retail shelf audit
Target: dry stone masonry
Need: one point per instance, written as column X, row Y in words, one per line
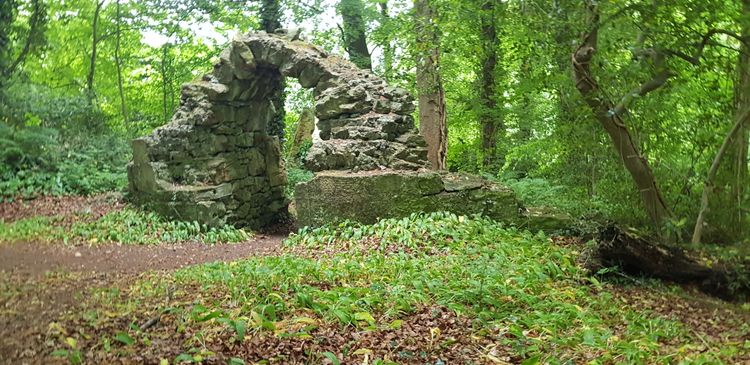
column 215, row 163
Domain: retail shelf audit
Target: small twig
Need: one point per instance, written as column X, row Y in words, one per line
column 150, row 323
column 708, row 347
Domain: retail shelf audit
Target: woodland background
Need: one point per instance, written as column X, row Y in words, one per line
column 512, row 85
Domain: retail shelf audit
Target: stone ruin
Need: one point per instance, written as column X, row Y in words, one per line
column 215, row 163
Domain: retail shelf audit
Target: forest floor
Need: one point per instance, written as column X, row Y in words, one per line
column 435, row 290
column 41, row 281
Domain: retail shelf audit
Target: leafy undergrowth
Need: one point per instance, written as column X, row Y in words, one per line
column 126, row 226
column 428, row 289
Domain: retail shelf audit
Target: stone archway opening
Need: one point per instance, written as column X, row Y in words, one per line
column 215, row 163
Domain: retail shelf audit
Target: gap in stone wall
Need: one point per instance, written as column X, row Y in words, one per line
column 299, row 122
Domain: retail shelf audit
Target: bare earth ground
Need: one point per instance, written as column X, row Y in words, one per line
column 35, row 259
column 40, row 282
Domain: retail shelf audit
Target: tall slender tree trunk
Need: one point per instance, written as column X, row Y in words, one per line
column 164, row 81
column 118, row 62
column 432, row 118
column 725, row 216
column 739, row 148
column 609, row 116
column 354, row 36
column 270, row 21
column 92, row 59
column 37, row 21
column 8, row 9
column 490, row 117
column 385, row 18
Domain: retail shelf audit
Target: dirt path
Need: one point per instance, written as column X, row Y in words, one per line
column 36, row 259
column 40, row 282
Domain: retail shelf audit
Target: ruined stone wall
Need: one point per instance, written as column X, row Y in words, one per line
column 214, row 162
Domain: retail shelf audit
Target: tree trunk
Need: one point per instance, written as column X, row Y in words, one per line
column 609, row 116
column 270, row 21
column 387, row 47
column 355, row 39
column 432, row 117
column 8, row 9
column 36, row 31
column 637, row 256
column 92, row 59
column 709, row 184
column 118, row 62
column 739, row 148
column 490, row 118
column 270, row 16
column 164, row 82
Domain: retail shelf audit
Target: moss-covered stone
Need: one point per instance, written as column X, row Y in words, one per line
column 548, row 219
column 367, row 196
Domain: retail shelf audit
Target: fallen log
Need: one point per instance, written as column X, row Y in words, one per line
column 636, row 255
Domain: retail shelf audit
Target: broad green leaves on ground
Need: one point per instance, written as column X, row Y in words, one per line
column 127, row 226
column 516, row 289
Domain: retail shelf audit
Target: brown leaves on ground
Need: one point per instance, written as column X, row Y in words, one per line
column 29, row 303
column 69, row 207
column 431, row 335
column 711, row 321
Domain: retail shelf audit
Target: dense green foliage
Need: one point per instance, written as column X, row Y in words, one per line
column 68, row 112
column 126, row 226
column 371, row 278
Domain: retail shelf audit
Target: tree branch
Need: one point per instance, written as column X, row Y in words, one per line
column 696, row 57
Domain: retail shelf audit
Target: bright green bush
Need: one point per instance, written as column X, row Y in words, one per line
column 37, row 160
column 57, row 144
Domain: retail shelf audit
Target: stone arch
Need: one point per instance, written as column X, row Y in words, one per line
column 215, row 163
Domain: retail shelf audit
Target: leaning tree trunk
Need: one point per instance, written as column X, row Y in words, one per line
column 354, row 36
column 609, row 116
column 708, row 187
column 490, row 118
column 432, row 117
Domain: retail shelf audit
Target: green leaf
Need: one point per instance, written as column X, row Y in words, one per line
column 396, row 324
column 330, row 356
column 236, row 361
column 124, row 338
column 534, row 360
column 210, row 316
column 364, row 316
column 184, row 358
column 60, row 353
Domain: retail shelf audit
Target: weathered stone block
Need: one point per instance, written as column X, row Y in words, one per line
column 367, row 196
